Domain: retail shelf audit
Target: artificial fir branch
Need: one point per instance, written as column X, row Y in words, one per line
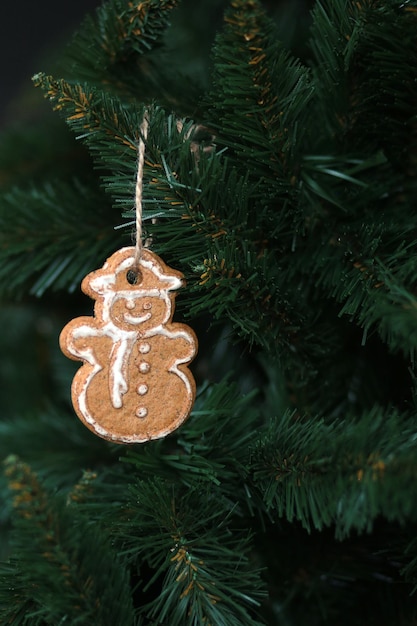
column 58, row 557
column 373, row 276
column 207, row 574
column 89, row 110
column 369, row 466
column 54, row 231
column 116, row 38
column 295, row 230
column 124, row 49
column 102, row 122
column 264, row 84
column 66, row 441
column 204, row 452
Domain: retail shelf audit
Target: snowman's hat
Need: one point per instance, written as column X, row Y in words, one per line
column 120, row 274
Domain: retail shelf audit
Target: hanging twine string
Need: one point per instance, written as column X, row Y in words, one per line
column 139, row 187
column 135, row 273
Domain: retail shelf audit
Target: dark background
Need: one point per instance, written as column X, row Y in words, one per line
column 30, row 32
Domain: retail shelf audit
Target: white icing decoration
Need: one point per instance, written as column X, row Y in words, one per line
column 132, row 319
column 123, row 343
column 117, row 379
column 142, row 412
column 179, row 334
column 130, row 304
column 88, row 356
column 142, row 389
column 144, row 348
column 103, row 284
column 144, row 367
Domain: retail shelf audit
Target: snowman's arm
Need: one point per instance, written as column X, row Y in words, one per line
column 78, row 338
column 184, row 341
column 183, row 348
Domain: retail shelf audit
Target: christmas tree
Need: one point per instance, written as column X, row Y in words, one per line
column 280, row 178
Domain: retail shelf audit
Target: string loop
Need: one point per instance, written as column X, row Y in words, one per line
column 143, row 135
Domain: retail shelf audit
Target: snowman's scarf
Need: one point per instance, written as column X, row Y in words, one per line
column 123, row 340
column 119, row 359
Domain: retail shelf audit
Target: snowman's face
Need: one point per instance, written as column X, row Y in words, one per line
column 139, row 313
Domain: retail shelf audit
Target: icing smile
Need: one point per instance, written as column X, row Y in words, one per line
column 133, row 319
column 137, row 319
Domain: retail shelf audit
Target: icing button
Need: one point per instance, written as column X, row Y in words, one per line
column 142, row 412
column 144, row 348
column 144, row 367
column 142, row 389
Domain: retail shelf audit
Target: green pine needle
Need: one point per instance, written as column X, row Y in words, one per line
column 64, row 553
column 52, row 227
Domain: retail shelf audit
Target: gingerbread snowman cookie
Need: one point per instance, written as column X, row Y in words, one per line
column 134, row 384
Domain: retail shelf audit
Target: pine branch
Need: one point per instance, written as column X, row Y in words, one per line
column 337, row 473
column 106, row 128
column 211, row 447
column 201, row 565
column 128, row 50
column 337, row 27
column 207, row 574
column 256, row 81
column 68, row 445
column 54, row 551
column 90, row 111
column 370, row 270
column 366, row 261
column 110, row 130
column 366, row 51
column 409, row 571
column 244, row 290
column 57, row 231
column 110, row 47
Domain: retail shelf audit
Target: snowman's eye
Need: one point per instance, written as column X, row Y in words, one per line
column 147, row 306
